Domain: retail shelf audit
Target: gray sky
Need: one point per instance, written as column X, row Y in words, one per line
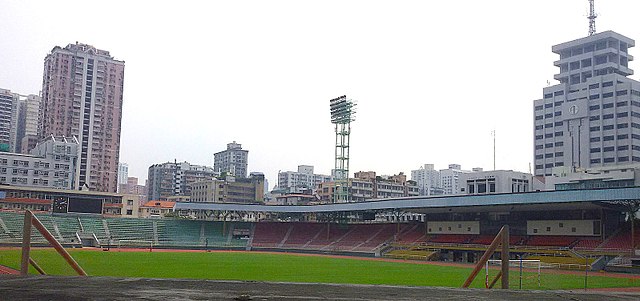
column 431, row 79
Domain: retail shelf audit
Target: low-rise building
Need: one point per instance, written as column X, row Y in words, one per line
column 230, row 190
column 156, row 209
column 563, row 178
column 366, row 186
column 52, row 163
column 495, row 181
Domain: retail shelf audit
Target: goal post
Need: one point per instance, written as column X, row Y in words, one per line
column 135, row 243
column 526, row 268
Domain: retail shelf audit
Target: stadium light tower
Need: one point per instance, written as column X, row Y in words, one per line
column 342, row 113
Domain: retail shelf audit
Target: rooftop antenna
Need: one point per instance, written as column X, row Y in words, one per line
column 493, row 133
column 592, row 18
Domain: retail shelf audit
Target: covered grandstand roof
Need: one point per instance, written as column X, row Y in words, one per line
column 539, row 200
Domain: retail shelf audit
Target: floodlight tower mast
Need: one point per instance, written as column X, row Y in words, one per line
column 592, row 18
column 342, row 113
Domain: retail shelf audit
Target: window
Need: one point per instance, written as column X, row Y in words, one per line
column 539, row 117
column 594, row 107
column 607, row 84
column 607, row 116
column 558, row 113
column 538, row 137
column 559, row 143
column 623, row 159
column 538, row 108
column 608, row 149
column 623, row 147
column 622, row 104
column 559, row 134
column 594, row 118
column 548, row 125
column 548, row 145
column 621, row 92
column 593, row 86
column 548, row 95
column 607, row 95
column 607, row 127
column 558, row 93
column 548, row 115
column 573, row 229
column 535, row 230
column 559, row 154
column 129, row 212
column 594, row 128
column 594, row 96
column 622, row 114
column 595, row 161
column 548, row 105
column 548, row 135
column 594, row 139
column 609, row 160
column 539, row 146
column 595, row 150
column 560, row 225
column 548, row 229
column 607, row 105
column 558, row 123
column 539, row 127
column 607, row 138
column 622, row 125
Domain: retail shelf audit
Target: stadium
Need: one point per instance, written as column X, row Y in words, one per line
column 572, row 239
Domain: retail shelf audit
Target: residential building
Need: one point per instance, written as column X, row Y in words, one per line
column 123, row 174
column 494, row 181
column 128, row 207
column 233, row 160
column 132, row 188
column 30, row 117
column 172, row 179
column 296, row 199
column 19, row 116
column 82, row 91
column 365, row 186
column 450, row 178
column 230, row 190
column 51, row 164
column 156, row 209
column 428, row 180
column 592, row 117
column 301, row 181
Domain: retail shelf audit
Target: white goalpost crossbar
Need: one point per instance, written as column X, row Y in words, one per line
column 515, row 263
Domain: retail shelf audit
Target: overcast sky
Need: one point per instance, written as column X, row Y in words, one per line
column 432, row 79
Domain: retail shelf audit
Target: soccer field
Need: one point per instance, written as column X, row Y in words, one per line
column 257, row 266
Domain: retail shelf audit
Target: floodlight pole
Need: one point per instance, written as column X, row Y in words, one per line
column 342, row 113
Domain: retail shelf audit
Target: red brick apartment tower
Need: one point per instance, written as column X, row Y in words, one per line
column 82, row 96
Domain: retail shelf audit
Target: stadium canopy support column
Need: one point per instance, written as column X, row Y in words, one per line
column 498, row 240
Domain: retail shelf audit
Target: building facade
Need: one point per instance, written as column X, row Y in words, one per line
column 123, row 174
column 51, row 164
column 233, row 160
column 175, row 179
column 303, row 180
column 495, row 181
column 427, row 179
column 366, row 185
column 592, row 118
column 19, row 117
column 231, row 190
column 82, row 91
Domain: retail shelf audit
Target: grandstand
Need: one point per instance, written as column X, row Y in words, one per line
column 561, row 228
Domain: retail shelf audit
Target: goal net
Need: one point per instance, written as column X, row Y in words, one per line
column 135, row 244
column 523, row 273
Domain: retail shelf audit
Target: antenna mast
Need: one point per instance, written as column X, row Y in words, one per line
column 592, row 18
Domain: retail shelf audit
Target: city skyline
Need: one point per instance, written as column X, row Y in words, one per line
column 431, row 81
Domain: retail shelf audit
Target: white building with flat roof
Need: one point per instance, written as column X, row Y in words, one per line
column 52, row 163
column 494, row 181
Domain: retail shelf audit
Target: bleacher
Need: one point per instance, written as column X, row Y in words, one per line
column 551, row 241
column 178, row 233
column 302, row 233
column 130, row 230
column 270, row 234
column 621, row 240
column 325, row 239
column 410, row 254
column 413, row 233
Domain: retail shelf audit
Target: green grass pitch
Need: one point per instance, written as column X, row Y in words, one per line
column 258, row 266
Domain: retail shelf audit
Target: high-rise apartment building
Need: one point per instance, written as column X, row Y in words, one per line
column 82, row 97
column 592, row 118
column 233, row 161
column 123, row 174
column 427, row 179
column 7, row 121
column 19, row 117
column 175, row 179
